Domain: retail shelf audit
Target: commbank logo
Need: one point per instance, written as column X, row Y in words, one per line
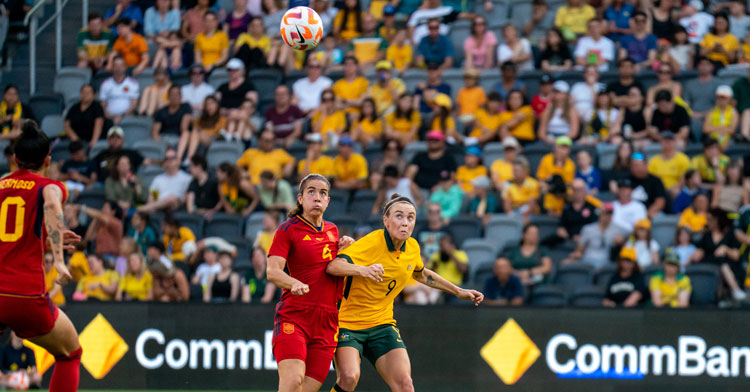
column 510, row 352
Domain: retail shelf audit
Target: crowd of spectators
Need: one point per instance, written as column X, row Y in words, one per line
column 608, row 136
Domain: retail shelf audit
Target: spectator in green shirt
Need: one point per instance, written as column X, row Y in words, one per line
column 94, row 44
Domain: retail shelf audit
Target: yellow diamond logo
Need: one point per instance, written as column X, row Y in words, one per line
column 510, row 352
column 44, row 360
column 102, row 346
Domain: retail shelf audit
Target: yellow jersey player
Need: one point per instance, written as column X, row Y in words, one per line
column 366, row 324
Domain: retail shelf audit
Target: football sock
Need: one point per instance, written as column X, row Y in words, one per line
column 66, row 373
column 337, row 388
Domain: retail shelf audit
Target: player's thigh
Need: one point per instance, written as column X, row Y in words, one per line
column 348, row 361
column 291, row 375
column 62, row 340
column 395, row 368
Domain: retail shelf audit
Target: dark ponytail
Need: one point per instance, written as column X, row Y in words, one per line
column 298, row 210
column 395, row 199
column 32, row 147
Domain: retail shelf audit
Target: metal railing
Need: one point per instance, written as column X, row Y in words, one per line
column 32, row 22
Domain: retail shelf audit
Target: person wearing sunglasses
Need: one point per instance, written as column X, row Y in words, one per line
column 307, row 91
column 640, row 45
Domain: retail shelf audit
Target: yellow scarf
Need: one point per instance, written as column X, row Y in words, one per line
column 232, row 194
column 4, row 112
column 721, row 119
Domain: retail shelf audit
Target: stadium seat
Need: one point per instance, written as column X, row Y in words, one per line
column 244, row 253
column 497, row 17
column 693, row 149
column 293, row 76
column 68, row 82
column 647, row 78
column 298, row 151
column 663, row 229
column 488, row 78
column 412, row 77
column 60, row 151
column 734, row 71
column 346, row 225
column 220, row 152
column 145, row 78
column 97, row 80
column 479, row 271
column 548, row 296
column 136, row 128
column 148, row 173
column 194, row 222
column 218, row 77
column 479, row 251
column 704, row 278
column 591, row 149
column 520, row 12
column 606, row 154
column 254, row 224
column 53, row 125
column 151, row 148
column 606, row 196
column 503, row 229
column 454, row 77
column 337, row 207
column 574, row 276
column 45, row 105
column 180, row 77
column 588, row 297
column 463, row 227
column 335, row 75
column 361, row 204
column 93, row 198
column 570, row 77
column 686, row 75
column 547, row 225
column 492, row 152
column 534, row 153
column 227, row 226
column 736, row 151
column 265, row 81
column 604, row 274
column 459, row 33
column 100, row 146
column 196, row 292
column 373, row 152
column 531, row 81
column 651, row 149
column 412, row 149
column 650, row 271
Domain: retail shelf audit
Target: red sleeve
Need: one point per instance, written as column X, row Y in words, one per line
column 282, row 242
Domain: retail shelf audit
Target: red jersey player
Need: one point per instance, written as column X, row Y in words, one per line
column 306, row 318
column 30, row 215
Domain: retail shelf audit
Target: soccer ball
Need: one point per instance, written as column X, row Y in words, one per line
column 301, row 28
column 18, row 381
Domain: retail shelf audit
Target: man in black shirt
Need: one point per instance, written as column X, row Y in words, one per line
column 647, row 188
column 174, row 119
column 15, row 357
column 106, row 160
column 232, row 93
column 618, row 90
column 427, row 166
column 203, row 192
column 626, row 287
column 576, row 213
column 669, row 116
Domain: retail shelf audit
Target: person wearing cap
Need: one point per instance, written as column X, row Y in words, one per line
column 266, row 157
column 154, row 97
column 540, row 101
column 669, row 165
column 208, row 265
column 472, row 169
column 471, row 97
column 479, row 47
column 79, row 171
column 387, row 89
column 400, row 51
column 442, row 119
column 84, row 121
column 695, row 21
column 427, row 167
column 720, row 45
column 448, row 194
column 712, row 164
column 558, row 162
column 426, row 91
column 640, row 44
column 327, row 120
column 594, row 48
column 646, row 248
column 626, row 212
column 647, row 188
column 236, row 90
column 669, row 116
column 350, row 168
column 119, row 93
column 502, row 169
column 559, row 118
column 211, row 45
column 508, row 80
column 369, row 47
column 573, row 17
column 626, row 287
column 195, row 92
column 722, row 120
column 522, row 192
column 170, row 282
column 167, row 190
column 392, row 183
column 670, row 288
column 488, row 119
column 515, row 48
column 518, row 118
column 387, row 28
column 307, row 91
column 107, row 160
column 129, row 45
column 315, row 161
column 351, row 90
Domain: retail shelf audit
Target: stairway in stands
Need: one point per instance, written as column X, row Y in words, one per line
column 18, row 73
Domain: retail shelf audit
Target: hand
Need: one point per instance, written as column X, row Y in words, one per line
column 64, row 276
column 721, row 251
column 607, row 303
column 471, row 295
column 93, row 286
column 373, row 272
column 300, row 288
column 70, row 239
column 344, row 242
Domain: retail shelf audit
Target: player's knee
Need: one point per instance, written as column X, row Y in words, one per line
column 349, row 379
column 404, row 383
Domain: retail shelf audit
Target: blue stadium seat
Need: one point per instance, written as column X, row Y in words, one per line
column 651, row 149
column 547, row 225
column 218, row 77
column 136, row 128
column 497, row 17
column 244, row 253
column 733, row 72
column 588, row 297
column 663, row 229
column 44, row 105
column 151, row 148
column 100, row 146
column 463, row 227
column 68, row 82
column 704, row 278
column 520, row 12
column 606, row 154
column 93, row 198
column 549, row 296
column 337, row 207
column 254, row 224
column 647, row 78
column 531, row 81
column 53, row 125
column 346, row 225
column 492, row 152
column 412, row 149
column 265, row 80
column 650, row 271
column 220, row 152
column 454, row 77
column 194, row 222
column 60, row 151
column 534, row 153
column 604, row 274
column 412, row 77
column 479, row 271
column 227, row 226
column 147, row 174
column 361, row 204
column 503, row 230
column 459, row 33
column 145, row 78
column 488, row 78
column 574, row 276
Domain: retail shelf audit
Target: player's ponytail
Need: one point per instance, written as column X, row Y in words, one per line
column 395, row 199
column 32, row 147
column 298, row 210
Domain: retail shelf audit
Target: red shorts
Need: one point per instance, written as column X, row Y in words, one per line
column 28, row 317
column 307, row 334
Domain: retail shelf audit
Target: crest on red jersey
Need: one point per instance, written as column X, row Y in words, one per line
column 330, row 237
column 288, row 328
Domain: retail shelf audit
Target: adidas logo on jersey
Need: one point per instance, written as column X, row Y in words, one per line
column 307, row 238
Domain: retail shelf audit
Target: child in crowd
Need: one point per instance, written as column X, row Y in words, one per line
column 470, row 97
column 683, row 245
column 694, row 217
column 332, row 57
column 692, row 184
column 264, row 237
column 605, row 123
column 587, row 172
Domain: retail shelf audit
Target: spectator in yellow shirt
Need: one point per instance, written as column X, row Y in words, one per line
column 368, row 127
column 326, row 120
column 558, row 162
column 522, row 193
column 175, row 238
column 351, row 90
column 212, row 45
column 254, row 46
column 101, row 284
column 350, row 167
column 403, row 123
column 443, row 120
column 518, row 118
column 265, row 157
column 695, row 217
column 449, row 262
column 348, row 22
column 488, row 119
column 315, row 161
column 471, row 169
column 670, row 288
column 54, row 290
column 137, row 284
column 400, row 52
column 720, row 45
column 502, row 169
column 712, row 164
column 572, row 18
column 264, row 237
column 470, row 97
column 386, row 89
column 669, row 166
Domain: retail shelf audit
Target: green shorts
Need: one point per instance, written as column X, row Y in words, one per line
column 372, row 343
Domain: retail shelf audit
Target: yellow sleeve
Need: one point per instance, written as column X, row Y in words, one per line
column 400, row 87
column 560, row 16
column 285, row 158
column 337, row 88
column 684, row 163
column 186, row 234
column 123, row 281
column 684, row 284
column 653, row 285
column 362, row 251
column 461, row 257
column 301, row 165
column 653, row 164
column 148, row 280
column 81, row 284
column 241, row 40
column 707, row 41
column 245, row 159
column 416, row 117
column 165, row 240
column 732, row 43
column 199, row 41
column 223, row 40
column 535, row 190
column 542, row 172
column 361, row 167
column 590, row 12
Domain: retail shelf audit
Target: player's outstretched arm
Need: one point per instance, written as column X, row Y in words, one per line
column 275, row 274
column 340, row 267
column 55, row 225
column 432, row 279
